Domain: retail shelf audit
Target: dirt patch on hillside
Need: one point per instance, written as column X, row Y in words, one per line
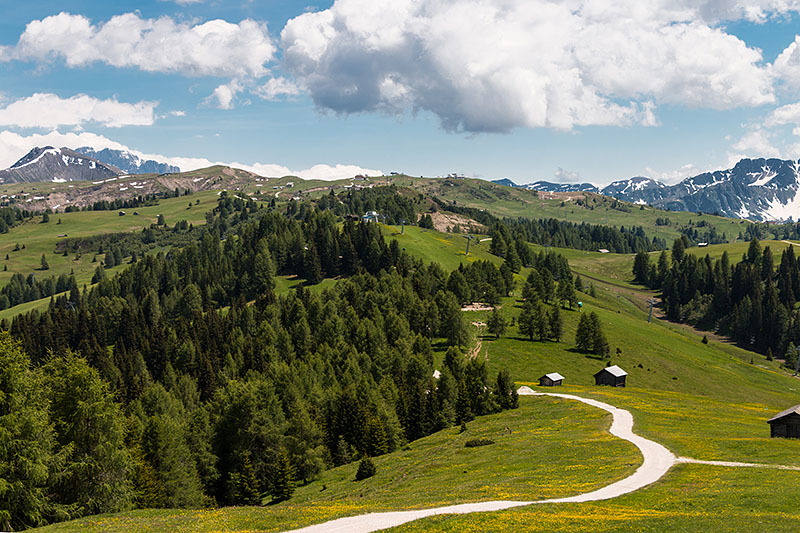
column 563, row 196
column 477, row 306
column 444, row 222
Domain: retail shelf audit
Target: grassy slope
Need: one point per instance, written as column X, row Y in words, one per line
column 703, row 401
column 688, row 498
column 41, row 239
column 580, row 456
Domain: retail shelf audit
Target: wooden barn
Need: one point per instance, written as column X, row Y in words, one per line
column 613, row 376
column 553, row 379
column 786, row 423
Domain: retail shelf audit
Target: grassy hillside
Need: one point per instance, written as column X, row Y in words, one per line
column 573, row 454
column 705, row 401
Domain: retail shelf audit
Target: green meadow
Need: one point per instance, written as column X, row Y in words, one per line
column 704, row 401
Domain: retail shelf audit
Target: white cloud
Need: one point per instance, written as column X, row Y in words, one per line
column 786, row 114
column 787, row 65
column 566, row 176
column 14, row 145
column 46, row 110
column 674, row 176
column 277, row 87
column 224, row 95
column 757, row 142
column 493, row 65
column 213, row 48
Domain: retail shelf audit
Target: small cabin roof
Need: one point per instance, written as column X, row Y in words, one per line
column 555, row 376
column 787, row 412
column 614, row 371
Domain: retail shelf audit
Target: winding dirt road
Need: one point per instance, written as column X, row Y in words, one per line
column 657, row 461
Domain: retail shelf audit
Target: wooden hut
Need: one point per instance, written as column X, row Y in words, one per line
column 786, row 423
column 613, row 376
column 553, row 379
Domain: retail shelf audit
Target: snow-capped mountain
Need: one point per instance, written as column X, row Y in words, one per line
column 549, row 186
column 57, row 165
column 637, row 190
column 758, row 189
column 128, row 162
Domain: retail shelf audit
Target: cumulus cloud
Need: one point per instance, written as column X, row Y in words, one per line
column 224, row 95
column 566, row 176
column 786, row 67
column 46, row 110
column 277, row 87
column 213, row 48
column 757, row 142
column 495, row 65
column 676, row 175
column 786, row 114
column 14, row 145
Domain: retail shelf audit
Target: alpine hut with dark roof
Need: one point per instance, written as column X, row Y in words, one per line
column 786, row 423
column 553, row 379
column 613, row 376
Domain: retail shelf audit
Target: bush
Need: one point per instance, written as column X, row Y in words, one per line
column 474, row 443
column 365, row 469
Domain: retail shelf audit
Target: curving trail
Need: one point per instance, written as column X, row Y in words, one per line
column 657, row 461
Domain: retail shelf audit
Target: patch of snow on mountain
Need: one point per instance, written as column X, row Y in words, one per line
column 779, row 211
column 54, row 151
column 743, row 212
column 763, row 178
column 59, row 180
column 640, row 202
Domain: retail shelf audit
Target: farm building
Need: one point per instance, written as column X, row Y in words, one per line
column 553, row 379
column 786, row 423
column 613, row 376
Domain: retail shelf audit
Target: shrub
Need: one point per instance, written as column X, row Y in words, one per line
column 365, row 469
column 474, row 443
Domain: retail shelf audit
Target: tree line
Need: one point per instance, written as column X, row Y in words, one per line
column 752, row 302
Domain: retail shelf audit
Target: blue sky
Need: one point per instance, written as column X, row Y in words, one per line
column 590, row 90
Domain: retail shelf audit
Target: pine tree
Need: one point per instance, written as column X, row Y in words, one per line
column 556, row 324
column 45, row 265
column 496, row 324
column 641, row 268
column 584, row 335
column 463, row 404
column 566, row 292
column 26, row 443
column 283, row 478
column 513, row 260
column 527, row 319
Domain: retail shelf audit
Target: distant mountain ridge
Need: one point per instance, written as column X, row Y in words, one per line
column 758, row 189
column 128, row 162
column 57, row 165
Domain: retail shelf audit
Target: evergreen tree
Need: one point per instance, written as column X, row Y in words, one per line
column 566, row 293
column 678, row 248
column 283, row 478
column 496, row 324
column 366, row 469
column 527, row 319
column 93, row 477
column 641, row 268
column 513, row 260
column 44, row 264
column 27, row 440
column 556, row 324
column 584, row 335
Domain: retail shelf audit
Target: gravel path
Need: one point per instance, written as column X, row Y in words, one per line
column 657, row 461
